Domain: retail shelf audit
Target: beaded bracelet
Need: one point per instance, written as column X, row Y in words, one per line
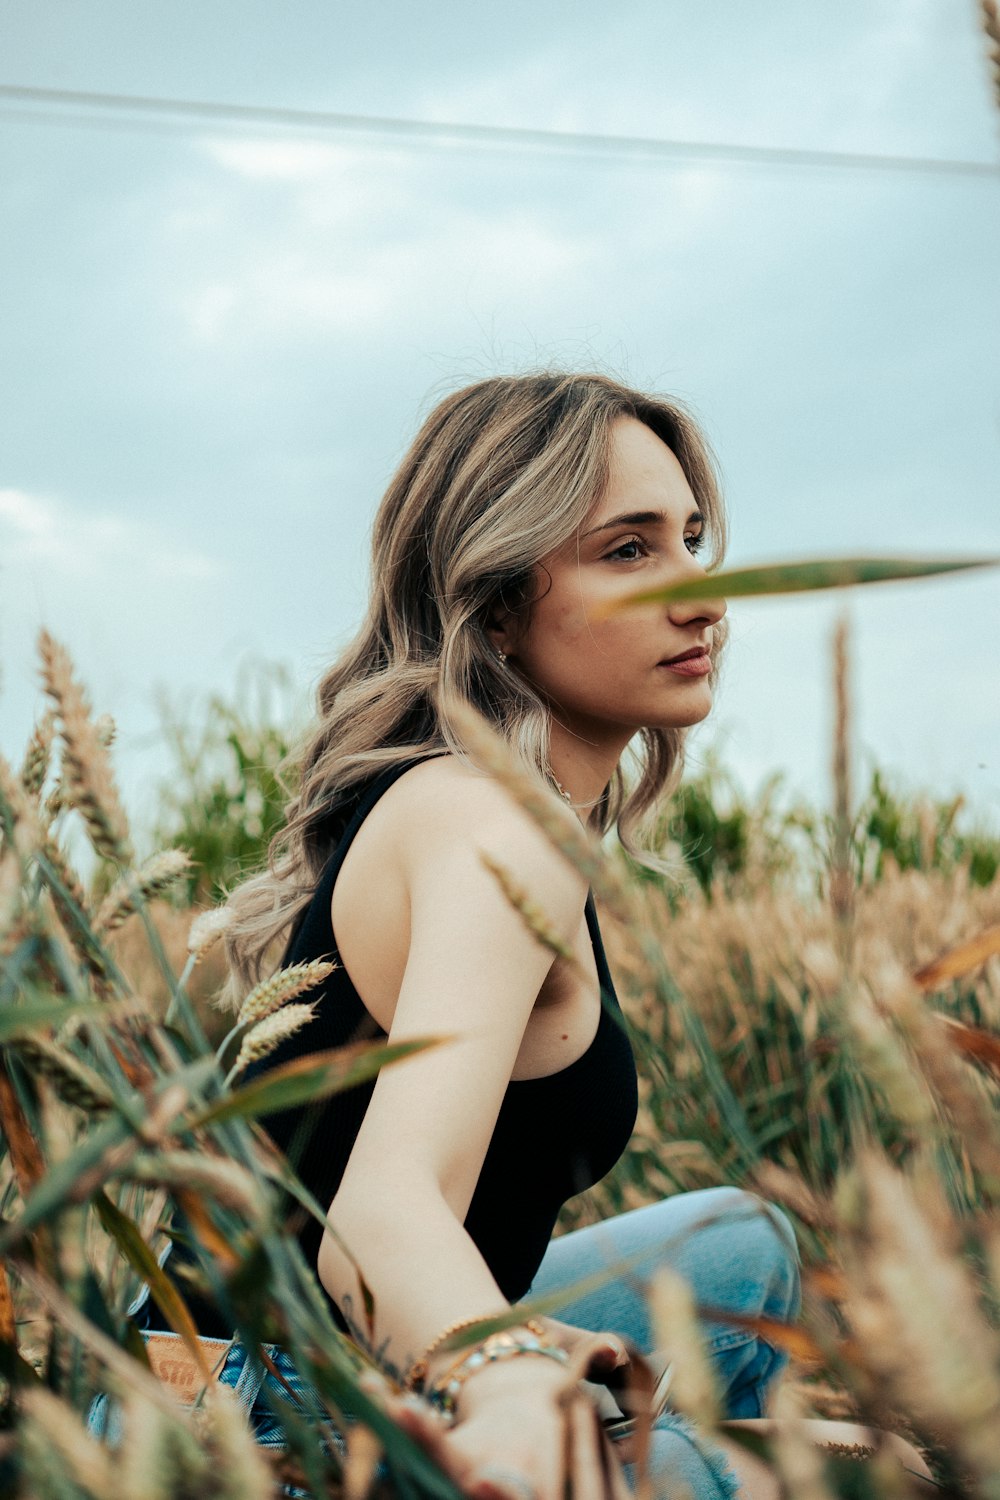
column 444, row 1393
column 417, row 1374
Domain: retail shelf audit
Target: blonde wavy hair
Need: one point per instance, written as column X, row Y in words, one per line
column 500, row 473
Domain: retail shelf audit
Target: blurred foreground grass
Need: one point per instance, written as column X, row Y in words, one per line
column 798, row 1031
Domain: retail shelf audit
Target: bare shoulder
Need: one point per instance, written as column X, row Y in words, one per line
column 446, row 814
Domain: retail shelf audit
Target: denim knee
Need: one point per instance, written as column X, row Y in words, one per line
column 780, row 1252
column 682, row 1462
column 769, row 1251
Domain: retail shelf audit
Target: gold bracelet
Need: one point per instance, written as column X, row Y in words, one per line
column 507, row 1344
column 417, row 1374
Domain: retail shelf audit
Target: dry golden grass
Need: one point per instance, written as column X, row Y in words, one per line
column 811, row 1044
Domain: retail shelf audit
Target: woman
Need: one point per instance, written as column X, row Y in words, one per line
column 525, row 508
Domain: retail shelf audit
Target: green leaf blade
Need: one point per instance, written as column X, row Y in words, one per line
column 306, row 1079
column 125, row 1233
column 807, row 576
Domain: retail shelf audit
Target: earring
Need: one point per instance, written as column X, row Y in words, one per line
column 502, row 657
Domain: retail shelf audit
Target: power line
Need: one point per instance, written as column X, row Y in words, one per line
column 69, row 104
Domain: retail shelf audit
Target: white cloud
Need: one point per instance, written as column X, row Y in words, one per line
column 280, row 160
column 38, row 532
column 359, row 246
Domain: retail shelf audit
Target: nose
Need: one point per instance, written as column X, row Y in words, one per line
column 696, row 611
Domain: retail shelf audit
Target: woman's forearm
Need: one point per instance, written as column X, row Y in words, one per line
column 420, row 1265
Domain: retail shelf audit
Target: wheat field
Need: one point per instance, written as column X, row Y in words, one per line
column 828, row 1036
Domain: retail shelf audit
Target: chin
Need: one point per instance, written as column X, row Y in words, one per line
column 684, row 718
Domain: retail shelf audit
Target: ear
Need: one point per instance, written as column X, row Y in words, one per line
column 507, row 620
column 502, row 630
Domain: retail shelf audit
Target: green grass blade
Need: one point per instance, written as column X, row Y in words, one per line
column 36, row 1015
column 140, row 1257
column 307, row 1078
column 61, row 1183
column 84, row 1170
column 807, row 577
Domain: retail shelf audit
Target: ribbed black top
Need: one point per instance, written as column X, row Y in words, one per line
column 554, row 1135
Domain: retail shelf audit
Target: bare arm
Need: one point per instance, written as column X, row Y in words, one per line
column 472, row 972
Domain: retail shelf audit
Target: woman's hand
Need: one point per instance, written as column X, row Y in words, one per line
column 598, row 1354
column 522, row 1433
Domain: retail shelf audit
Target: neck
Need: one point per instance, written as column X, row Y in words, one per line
column 583, row 767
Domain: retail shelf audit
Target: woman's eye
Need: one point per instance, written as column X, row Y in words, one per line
column 629, row 551
column 695, row 542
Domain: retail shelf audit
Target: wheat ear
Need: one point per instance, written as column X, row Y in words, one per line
column 73, row 1080
column 530, row 912
column 226, row 1181
column 262, row 1039
column 86, row 766
column 991, row 27
column 557, row 822
column 268, row 996
column 241, row 1472
column 58, row 1433
column 35, row 766
column 155, row 876
column 206, row 929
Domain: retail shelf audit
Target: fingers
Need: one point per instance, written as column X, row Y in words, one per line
column 600, row 1352
column 606, row 1353
column 586, row 1468
column 594, row 1471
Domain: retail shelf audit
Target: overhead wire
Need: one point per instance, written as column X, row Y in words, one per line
column 30, row 101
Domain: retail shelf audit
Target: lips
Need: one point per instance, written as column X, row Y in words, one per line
column 695, row 662
column 670, row 661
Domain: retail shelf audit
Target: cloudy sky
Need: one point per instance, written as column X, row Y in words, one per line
column 219, row 336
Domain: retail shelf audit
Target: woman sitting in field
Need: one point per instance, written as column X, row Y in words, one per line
column 524, row 509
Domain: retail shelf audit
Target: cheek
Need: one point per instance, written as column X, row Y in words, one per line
column 623, row 639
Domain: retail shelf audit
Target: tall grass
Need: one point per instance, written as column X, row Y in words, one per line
column 833, row 1042
column 113, row 1121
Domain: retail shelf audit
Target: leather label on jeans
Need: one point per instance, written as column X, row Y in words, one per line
column 172, row 1362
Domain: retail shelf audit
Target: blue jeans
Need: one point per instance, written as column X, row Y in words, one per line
column 737, row 1253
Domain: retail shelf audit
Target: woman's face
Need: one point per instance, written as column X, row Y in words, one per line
column 608, row 674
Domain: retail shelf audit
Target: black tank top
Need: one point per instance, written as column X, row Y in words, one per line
column 554, row 1135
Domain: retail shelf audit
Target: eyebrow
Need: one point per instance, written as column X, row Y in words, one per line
column 640, row 518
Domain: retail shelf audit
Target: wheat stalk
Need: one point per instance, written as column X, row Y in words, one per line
column 532, row 915
column 18, row 812
column 914, row 1310
column 557, row 822
column 678, row 1335
column 86, row 766
column 74, row 1081
column 955, row 1086
column 262, row 1039
column 228, row 1182
column 106, row 730
column 991, row 27
column 160, row 1458
column 71, row 904
column 241, row 1472
column 796, row 1458
column 783, row 1186
column 285, row 985
column 156, row 875
column 841, row 874
column 85, row 1459
column 884, row 1061
column 360, row 1462
column 64, row 876
column 206, row 929
column 35, row 766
